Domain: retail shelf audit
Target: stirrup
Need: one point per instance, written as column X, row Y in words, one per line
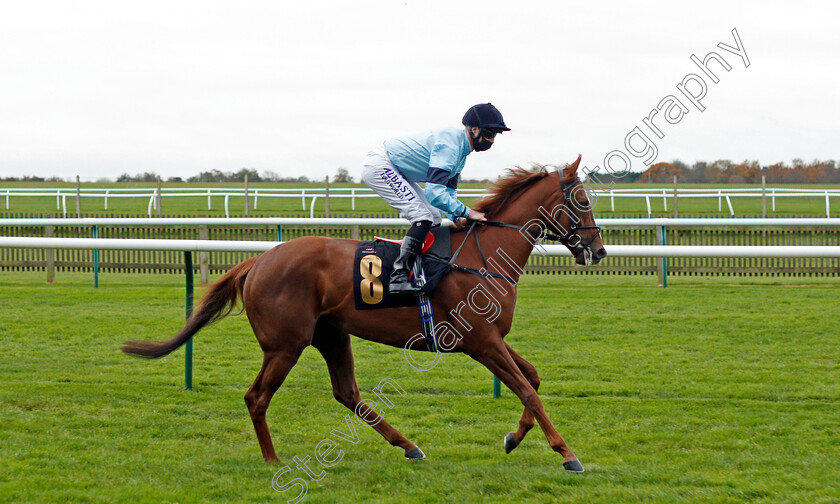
column 401, row 282
column 404, row 288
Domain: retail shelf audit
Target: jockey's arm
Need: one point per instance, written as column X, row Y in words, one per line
column 445, row 200
column 453, row 193
column 451, row 188
column 440, row 191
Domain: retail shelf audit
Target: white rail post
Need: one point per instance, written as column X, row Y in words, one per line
column 106, row 198
column 158, row 202
column 312, row 207
column 612, row 200
column 676, row 211
column 729, row 202
column 647, row 200
column 246, row 195
column 78, row 197
column 209, row 206
column 763, row 196
column 827, row 207
column 327, row 196
column 227, row 199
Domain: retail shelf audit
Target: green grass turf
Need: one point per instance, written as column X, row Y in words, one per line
column 785, row 206
column 711, row 390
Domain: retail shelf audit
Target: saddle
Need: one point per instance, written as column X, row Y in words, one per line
column 374, row 261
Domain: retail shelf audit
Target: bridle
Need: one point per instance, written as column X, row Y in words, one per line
column 570, row 238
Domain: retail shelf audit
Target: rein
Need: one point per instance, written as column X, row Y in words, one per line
column 579, row 246
column 484, row 272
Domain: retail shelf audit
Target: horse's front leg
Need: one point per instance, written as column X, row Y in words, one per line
column 496, row 357
column 526, row 421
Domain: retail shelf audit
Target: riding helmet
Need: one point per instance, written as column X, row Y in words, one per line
column 485, row 115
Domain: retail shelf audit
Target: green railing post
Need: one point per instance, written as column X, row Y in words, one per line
column 497, row 387
column 188, row 356
column 95, row 260
column 279, row 233
column 665, row 259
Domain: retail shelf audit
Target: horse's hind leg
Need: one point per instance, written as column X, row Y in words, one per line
column 275, row 368
column 334, row 345
column 526, row 421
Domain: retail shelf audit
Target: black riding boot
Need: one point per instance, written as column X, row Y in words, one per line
column 410, row 249
column 400, row 281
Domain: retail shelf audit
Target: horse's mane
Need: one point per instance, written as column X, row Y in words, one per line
column 508, row 187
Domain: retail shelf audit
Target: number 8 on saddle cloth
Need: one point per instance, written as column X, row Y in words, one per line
column 372, row 267
column 373, row 264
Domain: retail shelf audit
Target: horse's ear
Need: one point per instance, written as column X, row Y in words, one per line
column 571, row 170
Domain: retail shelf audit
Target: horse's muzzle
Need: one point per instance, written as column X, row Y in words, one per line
column 586, row 256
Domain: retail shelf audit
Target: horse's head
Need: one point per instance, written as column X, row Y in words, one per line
column 571, row 217
column 564, row 209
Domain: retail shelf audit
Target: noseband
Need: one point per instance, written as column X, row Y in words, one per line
column 574, row 228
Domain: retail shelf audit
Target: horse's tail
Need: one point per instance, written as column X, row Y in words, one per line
column 216, row 304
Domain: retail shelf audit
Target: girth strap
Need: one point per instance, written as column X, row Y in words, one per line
column 427, row 319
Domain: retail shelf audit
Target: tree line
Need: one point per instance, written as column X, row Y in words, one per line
column 226, row 176
column 341, row 176
column 727, row 172
column 701, row 172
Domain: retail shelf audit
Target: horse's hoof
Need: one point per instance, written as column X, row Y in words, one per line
column 573, row 466
column 510, row 442
column 415, row 454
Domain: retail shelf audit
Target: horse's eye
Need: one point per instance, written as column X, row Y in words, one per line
column 583, row 204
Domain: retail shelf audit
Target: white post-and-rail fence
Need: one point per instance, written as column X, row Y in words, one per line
column 809, row 251
column 384, row 222
column 61, row 195
column 661, row 251
column 657, row 251
column 648, row 194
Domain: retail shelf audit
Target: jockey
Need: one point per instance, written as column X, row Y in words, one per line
column 395, row 168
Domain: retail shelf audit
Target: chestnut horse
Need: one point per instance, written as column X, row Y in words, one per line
column 300, row 293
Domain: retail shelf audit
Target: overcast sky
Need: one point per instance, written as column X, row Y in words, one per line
column 301, row 88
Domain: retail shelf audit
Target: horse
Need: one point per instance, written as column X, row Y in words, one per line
column 300, row 293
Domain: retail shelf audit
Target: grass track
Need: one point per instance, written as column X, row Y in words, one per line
column 708, row 391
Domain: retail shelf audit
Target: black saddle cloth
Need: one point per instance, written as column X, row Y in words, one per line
column 374, row 262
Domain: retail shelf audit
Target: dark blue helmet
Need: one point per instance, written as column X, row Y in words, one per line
column 485, row 115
